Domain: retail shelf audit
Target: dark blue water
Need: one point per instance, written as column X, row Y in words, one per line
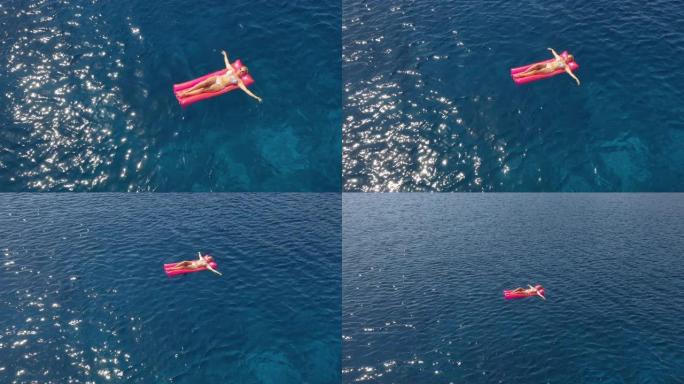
column 423, row 277
column 84, row 299
column 87, row 102
column 430, row 105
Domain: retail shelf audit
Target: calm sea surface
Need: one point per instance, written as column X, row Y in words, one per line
column 84, row 298
column 423, row 277
column 86, row 101
column 430, row 105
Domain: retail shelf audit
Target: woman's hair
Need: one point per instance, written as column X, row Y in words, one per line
column 570, row 58
column 538, row 287
column 244, row 69
column 208, row 258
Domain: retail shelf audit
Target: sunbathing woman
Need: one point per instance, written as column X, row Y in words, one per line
column 537, row 290
column 217, row 83
column 560, row 62
column 202, row 262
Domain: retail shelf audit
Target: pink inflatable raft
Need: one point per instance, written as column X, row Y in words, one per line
column 185, row 101
column 510, row 294
column 524, row 80
column 176, row 272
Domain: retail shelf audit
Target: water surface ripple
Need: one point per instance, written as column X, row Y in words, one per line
column 87, row 102
column 84, row 298
column 429, row 104
column 423, row 279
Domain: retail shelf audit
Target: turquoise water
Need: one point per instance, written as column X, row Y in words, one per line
column 430, row 105
column 84, row 298
column 87, row 102
column 423, row 277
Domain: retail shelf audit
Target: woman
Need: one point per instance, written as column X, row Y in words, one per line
column 217, row 83
column 202, row 262
column 543, row 68
column 536, row 290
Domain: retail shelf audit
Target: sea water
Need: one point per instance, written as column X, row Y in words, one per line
column 423, row 277
column 430, row 104
column 84, row 297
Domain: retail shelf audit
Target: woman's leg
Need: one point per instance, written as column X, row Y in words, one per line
column 211, row 88
column 181, row 265
column 199, row 87
column 533, row 70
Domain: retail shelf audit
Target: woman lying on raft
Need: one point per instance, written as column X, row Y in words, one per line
column 202, row 262
column 217, row 83
column 536, row 290
column 560, row 63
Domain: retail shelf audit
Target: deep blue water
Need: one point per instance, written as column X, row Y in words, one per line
column 84, row 299
column 429, row 103
column 423, row 277
column 87, row 102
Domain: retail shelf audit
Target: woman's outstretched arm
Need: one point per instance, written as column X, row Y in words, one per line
column 247, row 91
column 569, row 71
column 213, row 270
column 555, row 54
column 226, row 61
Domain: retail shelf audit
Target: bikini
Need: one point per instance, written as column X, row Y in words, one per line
column 232, row 79
column 194, row 265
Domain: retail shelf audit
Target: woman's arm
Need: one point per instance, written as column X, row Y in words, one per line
column 213, row 270
column 247, row 91
column 555, row 54
column 226, row 61
column 569, row 71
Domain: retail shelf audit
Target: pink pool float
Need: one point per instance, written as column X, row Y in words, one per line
column 185, row 101
column 529, row 79
column 516, row 294
column 171, row 271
